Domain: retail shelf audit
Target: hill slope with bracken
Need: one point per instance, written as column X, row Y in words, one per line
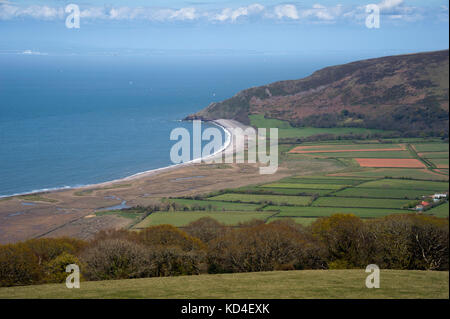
column 409, row 93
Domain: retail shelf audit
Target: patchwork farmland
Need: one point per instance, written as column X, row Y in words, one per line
column 402, row 178
column 366, row 198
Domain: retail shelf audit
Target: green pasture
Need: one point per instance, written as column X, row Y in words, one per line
column 376, row 154
column 216, row 205
column 312, row 211
column 301, row 185
column 255, row 198
column 180, row 219
column 381, row 193
column 360, row 202
column 432, row 147
column 406, row 184
column 439, row 211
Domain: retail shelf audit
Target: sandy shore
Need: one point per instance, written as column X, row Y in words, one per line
column 227, row 125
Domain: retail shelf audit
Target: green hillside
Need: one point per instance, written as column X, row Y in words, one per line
column 276, row 284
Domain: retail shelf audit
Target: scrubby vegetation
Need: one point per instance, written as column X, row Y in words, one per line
column 404, row 93
column 207, row 246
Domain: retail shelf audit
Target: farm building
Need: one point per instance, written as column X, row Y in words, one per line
column 424, row 203
column 437, row 197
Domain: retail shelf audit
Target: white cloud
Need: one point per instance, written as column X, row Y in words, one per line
column 322, row 13
column 120, row 13
column 286, row 11
column 394, row 10
column 93, row 13
column 184, row 14
column 443, row 14
column 8, row 11
column 389, row 4
column 42, row 12
column 233, row 15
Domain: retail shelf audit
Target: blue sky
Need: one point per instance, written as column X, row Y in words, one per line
column 265, row 26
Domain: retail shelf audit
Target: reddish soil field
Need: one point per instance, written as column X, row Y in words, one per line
column 390, row 162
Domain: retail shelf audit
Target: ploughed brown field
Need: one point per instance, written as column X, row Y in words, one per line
column 390, row 162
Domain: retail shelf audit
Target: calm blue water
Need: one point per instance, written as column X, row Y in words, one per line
column 69, row 121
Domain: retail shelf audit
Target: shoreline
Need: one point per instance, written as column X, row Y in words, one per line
column 222, row 123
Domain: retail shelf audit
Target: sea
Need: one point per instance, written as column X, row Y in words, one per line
column 74, row 120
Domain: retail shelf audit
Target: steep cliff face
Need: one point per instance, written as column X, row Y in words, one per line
column 405, row 92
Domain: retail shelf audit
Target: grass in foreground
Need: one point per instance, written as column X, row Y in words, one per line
column 335, row 284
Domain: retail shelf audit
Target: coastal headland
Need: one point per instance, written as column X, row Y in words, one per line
column 393, row 124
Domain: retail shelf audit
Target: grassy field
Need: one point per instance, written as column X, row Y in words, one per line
column 333, row 284
column 216, row 205
column 422, row 174
column 439, row 211
column 435, row 155
column 180, row 219
column 364, row 192
column 281, row 191
column 312, row 211
column 368, row 196
column 304, row 185
column 381, row 154
column 440, row 162
column 328, row 180
column 254, row 198
column 381, row 193
column 431, row 147
column 406, row 184
column 360, row 202
column 285, row 130
column 349, row 146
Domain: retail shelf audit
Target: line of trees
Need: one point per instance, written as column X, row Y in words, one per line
column 207, row 246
